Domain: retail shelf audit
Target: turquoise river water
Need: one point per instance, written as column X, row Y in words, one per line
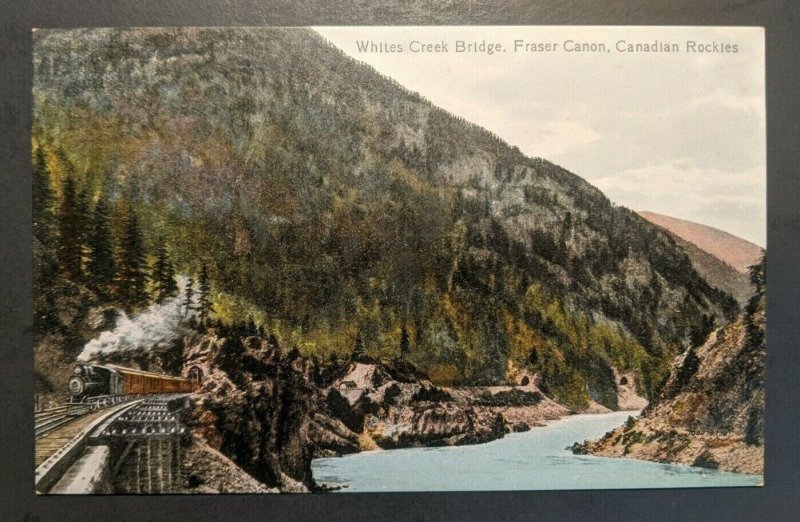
column 534, row 460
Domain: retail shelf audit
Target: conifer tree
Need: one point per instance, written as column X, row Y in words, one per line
column 45, row 263
column 84, row 220
column 758, row 276
column 42, row 199
column 358, row 347
column 204, row 307
column 251, row 326
column 157, row 272
column 100, row 267
column 170, row 283
column 63, row 160
column 162, row 276
column 758, row 272
column 69, row 231
column 188, row 297
column 405, row 345
column 131, row 276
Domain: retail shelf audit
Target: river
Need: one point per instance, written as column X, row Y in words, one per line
column 534, row 460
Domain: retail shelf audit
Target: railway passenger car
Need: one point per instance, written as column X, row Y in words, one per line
column 91, row 380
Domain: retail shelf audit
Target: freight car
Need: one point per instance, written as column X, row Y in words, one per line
column 94, row 380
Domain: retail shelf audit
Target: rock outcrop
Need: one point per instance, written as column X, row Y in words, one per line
column 393, row 409
column 433, row 424
column 262, row 413
column 206, row 470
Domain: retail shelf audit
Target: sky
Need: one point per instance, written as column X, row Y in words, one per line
column 680, row 133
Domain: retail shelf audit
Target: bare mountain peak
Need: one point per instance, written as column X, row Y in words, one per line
column 731, row 249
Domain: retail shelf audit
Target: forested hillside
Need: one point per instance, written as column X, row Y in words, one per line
column 333, row 207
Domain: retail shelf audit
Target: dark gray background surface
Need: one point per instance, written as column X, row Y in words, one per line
column 779, row 499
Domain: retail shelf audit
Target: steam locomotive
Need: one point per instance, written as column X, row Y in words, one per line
column 93, row 380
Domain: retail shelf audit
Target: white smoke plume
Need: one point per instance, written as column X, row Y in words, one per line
column 158, row 323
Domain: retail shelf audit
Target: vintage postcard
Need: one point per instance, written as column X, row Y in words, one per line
column 347, row 259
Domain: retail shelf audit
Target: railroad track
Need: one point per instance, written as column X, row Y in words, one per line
column 58, row 449
column 46, row 421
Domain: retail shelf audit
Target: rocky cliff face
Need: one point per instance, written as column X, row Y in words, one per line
column 262, row 412
column 710, row 410
column 256, row 406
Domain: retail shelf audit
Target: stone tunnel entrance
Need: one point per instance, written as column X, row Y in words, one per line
column 195, row 374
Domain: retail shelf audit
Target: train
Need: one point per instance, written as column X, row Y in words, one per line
column 95, row 380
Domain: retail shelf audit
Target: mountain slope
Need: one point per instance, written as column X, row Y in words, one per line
column 341, row 210
column 735, row 251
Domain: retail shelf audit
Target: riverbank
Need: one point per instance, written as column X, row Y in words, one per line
column 656, row 441
column 390, row 407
